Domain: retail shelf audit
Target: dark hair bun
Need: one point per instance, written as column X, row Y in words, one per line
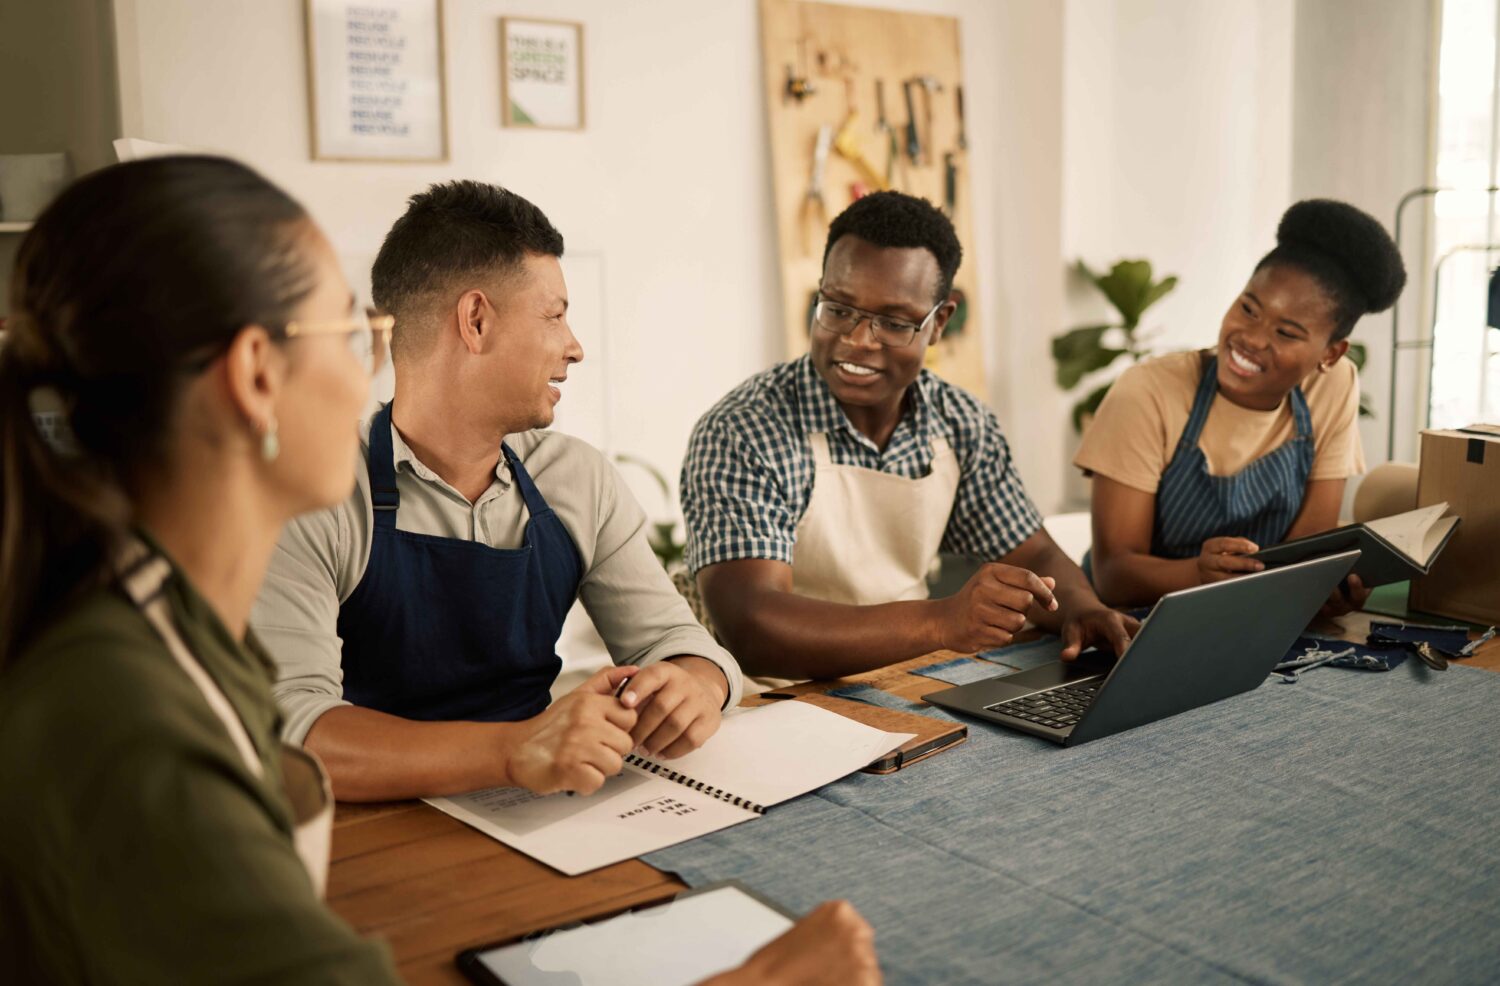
column 1354, row 241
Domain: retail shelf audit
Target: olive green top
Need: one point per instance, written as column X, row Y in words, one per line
column 135, row 846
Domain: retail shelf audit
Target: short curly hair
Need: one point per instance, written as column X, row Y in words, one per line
column 454, row 230
column 1345, row 250
column 894, row 219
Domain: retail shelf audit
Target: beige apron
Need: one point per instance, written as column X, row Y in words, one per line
column 307, row 786
column 870, row 537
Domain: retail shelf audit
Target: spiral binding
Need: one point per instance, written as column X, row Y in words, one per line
column 713, row 792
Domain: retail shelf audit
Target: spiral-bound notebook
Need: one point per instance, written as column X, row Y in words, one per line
column 759, row 758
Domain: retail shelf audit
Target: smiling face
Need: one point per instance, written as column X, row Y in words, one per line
column 897, row 281
column 533, row 346
column 1274, row 336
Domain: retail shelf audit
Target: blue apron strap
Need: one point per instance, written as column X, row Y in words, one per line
column 1203, row 402
column 1300, row 414
column 383, row 494
column 535, row 504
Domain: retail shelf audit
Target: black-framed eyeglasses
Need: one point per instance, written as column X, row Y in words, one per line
column 368, row 331
column 889, row 331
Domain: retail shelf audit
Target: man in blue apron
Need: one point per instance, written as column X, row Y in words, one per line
column 416, row 625
column 818, row 493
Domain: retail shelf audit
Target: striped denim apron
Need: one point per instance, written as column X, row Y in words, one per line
column 1259, row 502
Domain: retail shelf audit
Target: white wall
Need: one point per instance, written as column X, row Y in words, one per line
column 1177, row 149
column 667, row 192
column 1178, row 144
column 1364, row 117
column 1189, row 128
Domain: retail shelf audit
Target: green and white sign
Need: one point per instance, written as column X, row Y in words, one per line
column 541, row 77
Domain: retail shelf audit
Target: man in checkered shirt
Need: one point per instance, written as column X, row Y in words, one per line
column 819, row 492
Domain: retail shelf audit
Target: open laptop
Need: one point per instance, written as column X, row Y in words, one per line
column 1196, row 646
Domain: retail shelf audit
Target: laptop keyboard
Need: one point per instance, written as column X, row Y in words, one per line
column 1060, row 708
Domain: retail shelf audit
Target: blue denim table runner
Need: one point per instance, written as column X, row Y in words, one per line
column 1343, row 830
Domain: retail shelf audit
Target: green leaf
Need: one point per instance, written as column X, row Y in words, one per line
column 1089, row 405
column 1129, row 288
column 1076, row 341
column 1078, row 353
column 1158, row 291
column 1126, row 286
column 662, row 537
column 1357, row 355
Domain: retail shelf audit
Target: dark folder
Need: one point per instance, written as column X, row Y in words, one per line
column 1409, row 545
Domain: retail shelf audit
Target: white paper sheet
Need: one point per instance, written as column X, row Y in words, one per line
column 766, row 755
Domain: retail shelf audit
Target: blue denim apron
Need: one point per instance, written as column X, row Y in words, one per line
column 1259, row 502
column 445, row 629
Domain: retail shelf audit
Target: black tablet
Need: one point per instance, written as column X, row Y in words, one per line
column 681, row 940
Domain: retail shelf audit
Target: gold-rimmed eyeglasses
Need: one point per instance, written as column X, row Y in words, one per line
column 368, row 331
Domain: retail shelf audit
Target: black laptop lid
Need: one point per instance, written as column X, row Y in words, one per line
column 1209, row 642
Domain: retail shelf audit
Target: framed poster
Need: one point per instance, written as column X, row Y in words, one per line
column 541, row 74
column 375, row 80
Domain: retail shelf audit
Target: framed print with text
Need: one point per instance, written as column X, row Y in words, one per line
column 375, row 80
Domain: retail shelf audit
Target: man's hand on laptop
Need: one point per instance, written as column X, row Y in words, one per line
column 577, row 742
column 678, row 702
column 991, row 607
column 1096, row 627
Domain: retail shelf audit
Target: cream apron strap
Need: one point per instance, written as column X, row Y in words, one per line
column 819, row 442
column 143, row 583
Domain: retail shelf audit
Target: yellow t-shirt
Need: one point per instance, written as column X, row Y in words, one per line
column 1135, row 433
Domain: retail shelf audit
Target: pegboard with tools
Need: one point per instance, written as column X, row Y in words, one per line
column 858, row 100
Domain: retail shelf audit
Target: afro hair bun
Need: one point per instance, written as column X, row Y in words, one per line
column 1355, row 242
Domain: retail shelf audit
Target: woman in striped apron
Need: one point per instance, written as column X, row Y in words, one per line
column 1200, row 459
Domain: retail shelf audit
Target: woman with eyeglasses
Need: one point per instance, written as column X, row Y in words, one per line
column 1200, row 459
column 183, row 373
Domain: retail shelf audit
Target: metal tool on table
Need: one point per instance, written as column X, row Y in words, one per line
column 883, row 126
column 930, row 86
column 813, row 204
column 913, row 141
column 1315, row 658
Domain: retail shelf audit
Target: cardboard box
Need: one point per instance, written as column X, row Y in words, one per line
column 1463, row 468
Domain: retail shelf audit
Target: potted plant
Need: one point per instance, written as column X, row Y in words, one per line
column 1128, row 287
column 662, row 534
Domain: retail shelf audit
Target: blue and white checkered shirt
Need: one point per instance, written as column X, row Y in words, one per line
column 748, row 475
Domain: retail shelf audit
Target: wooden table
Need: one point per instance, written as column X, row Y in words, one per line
column 431, row 886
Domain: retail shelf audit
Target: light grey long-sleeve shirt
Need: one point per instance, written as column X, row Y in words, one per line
column 322, row 557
